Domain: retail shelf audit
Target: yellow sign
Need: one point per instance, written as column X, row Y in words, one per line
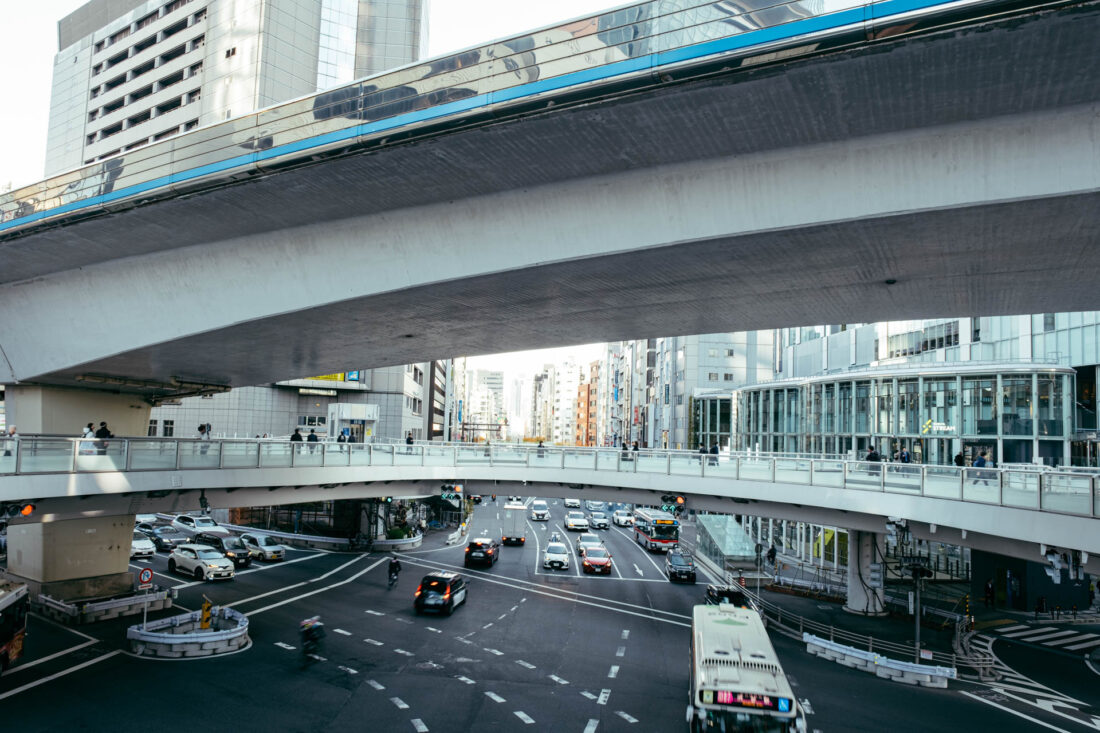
column 331, row 377
column 204, row 623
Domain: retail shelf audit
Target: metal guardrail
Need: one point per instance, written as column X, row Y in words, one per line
column 1064, row 492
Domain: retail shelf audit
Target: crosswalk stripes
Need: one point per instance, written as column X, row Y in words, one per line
column 1052, row 636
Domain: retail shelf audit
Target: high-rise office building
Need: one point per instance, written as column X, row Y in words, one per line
column 131, row 72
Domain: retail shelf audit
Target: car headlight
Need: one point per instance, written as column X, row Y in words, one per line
column 215, row 566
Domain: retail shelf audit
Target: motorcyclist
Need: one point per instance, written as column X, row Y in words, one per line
column 311, row 631
column 395, row 567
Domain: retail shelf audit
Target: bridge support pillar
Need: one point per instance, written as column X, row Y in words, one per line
column 58, row 411
column 864, row 596
column 74, row 558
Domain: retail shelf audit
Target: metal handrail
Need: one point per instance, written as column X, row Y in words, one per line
column 1064, row 492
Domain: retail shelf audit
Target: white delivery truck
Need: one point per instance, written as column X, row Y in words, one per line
column 514, row 524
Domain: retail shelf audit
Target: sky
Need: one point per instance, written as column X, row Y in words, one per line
column 28, row 42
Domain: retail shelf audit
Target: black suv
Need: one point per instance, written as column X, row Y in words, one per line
column 231, row 547
column 728, row 594
column 442, row 591
column 679, row 565
column 485, row 550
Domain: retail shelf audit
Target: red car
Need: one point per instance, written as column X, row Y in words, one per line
column 597, row 560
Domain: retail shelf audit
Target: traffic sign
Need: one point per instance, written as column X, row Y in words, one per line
column 145, row 579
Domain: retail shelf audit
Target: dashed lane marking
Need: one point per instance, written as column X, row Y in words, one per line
column 522, row 663
column 604, row 694
column 514, row 608
column 341, row 631
column 400, row 620
column 349, row 670
column 626, row 634
column 614, row 671
column 434, row 630
column 524, row 717
column 620, row 651
column 559, row 680
column 501, row 617
column 376, row 685
column 418, row 724
column 372, row 642
column 402, row 651
column 466, row 660
column 806, row 706
column 401, row 704
column 493, row 651
column 375, row 613
column 494, row 697
column 588, row 694
column 592, row 725
column 317, row 657
column 464, row 640
column 625, row 716
column 283, row 645
column 487, row 625
column 467, row 680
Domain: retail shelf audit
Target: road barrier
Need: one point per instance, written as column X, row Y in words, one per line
column 181, row 637
column 86, row 613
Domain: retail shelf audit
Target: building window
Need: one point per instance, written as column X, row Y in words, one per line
column 168, row 428
column 712, row 377
column 712, row 353
column 152, row 431
column 231, row 52
column 1048, row 322
column 727, row 377
column 311, row 421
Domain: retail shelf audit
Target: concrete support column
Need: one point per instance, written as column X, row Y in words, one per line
column 74, row 558
column 58, row 411
column 864, row 548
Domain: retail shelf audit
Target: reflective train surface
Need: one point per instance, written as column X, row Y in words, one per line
column 625, row 49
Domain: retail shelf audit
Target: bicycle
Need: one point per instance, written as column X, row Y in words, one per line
column 311, row 632
column 393, row 581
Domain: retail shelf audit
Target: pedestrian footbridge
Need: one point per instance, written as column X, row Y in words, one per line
column 1008, row 511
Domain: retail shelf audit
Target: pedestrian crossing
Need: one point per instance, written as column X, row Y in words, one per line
column 1053, row 636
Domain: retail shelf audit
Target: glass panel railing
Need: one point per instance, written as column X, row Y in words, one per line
column 439, row 456
column 944, row 482
column 1021, row 488
column 240, row 454
column 610, row 460
column 686, row 464
column 337, row 454
column 408, row 455
column 145, row 455
column 358, row 454
column 1068, row 493
column 200, row 453
column 828, row 473
column 754, row 469
column 544, row 457
column 307, row 454
column 792, row 470
column 863, row 475
column 47, row 455
column 720, row 465
column 275, row 454
column 509, row 455
column 982, row 485
column 476, row 454
column 902, row 477
column 579, row 458
column 651, row 462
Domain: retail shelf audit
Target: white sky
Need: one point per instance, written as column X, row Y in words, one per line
column 28, row 42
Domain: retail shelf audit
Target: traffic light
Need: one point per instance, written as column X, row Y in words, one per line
column 920, row 572
column 673, row 503
column 19, row 509
column 387, row 499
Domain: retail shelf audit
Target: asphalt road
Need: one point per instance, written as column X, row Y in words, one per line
column 531, row 650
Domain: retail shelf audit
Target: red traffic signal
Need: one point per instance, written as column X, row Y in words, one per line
column 21, row 509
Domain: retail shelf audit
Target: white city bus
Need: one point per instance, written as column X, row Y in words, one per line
column 655, row 529
column 736, row 681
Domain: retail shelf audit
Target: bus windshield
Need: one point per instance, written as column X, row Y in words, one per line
column 664, row 531
column 729, row 721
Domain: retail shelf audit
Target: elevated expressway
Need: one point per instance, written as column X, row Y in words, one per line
column 1011, row 512
column 669, row 167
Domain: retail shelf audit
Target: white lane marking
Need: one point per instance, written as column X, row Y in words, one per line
column 466, row 660
column 487, row 625
column 285, row 601
column 621, row 651
column 1086, row 645
column 806, row 706
column 606, row 604
column 464, row 640
column 604, row 694
column 317, row 657
column 330, row 572
column 1044, row 637
column 1015, row 627
column 492, row 651
column 522, row 663
column 376, row 685
column 613, row 672
column 400, row 620
column 588, row 694
column 55, row 676
column 979, row 698
column 372, row 642
column 55, row 655
column 638, row 569
column 494, row 697
column 434, row 630
column 341, row 631
column 501, row 617
column 645, row 552
column 524, row 717
column 284, row 645
column 401, row 704
column 514, row 608
column 349, row 670
column 559, row 680
column 1036, row 630
column 592, row 725
column 402, row 651
column 626, row 633
column 372, row 612
column 467, row 680
column 418, row 724
column 1072, row 639
column 261, row 568
column 626, row 717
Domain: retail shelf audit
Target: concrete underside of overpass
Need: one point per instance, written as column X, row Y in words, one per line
column 964, row 164
column 1002, row 530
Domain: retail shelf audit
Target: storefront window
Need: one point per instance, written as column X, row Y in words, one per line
column 779, row 401
column 979, row 412
column 1016, row 405
column 829, row 408
column 844, row 423
column 939, row 404
column 908, row 407
column 765, row 411
column 815, row 408
column 1050, row 404
column 794, row 416
column 885, row 404
column 863, row 407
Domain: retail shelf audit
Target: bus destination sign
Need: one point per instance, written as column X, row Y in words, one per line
column 736, row 699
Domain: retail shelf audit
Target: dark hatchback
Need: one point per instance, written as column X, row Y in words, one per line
column 679, row 566
column 442, row 591
column 166, row 538
column 483, row 550
column 231, row 547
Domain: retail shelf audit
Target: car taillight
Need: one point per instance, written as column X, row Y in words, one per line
column 446, row 595
column 418, row 589
column 467, row 549
column 587, row 564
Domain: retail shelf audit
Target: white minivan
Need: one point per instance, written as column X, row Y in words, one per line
column 540, row 511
